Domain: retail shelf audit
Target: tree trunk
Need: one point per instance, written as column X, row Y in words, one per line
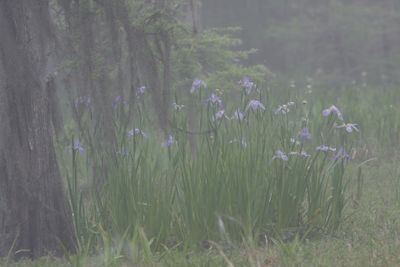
column 34, row 218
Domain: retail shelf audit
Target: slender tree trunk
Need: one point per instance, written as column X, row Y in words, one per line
column 34, row 219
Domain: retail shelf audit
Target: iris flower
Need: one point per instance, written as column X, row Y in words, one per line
column 325, row 148
column 136, row 131
column 214, row 99
column 220, row 114
column 82, row 100
column 197, row 83
column 332, row 109
column 349, row 127
column 246, row 84
column 168, row 142
column 77, row 146
column 341, row 154
column 141, row 90
column 254, row 105
column 304, row 134
column 284, row 109
column 280, row 155
column 237, row 115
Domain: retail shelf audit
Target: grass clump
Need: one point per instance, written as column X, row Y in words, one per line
column 239, row 171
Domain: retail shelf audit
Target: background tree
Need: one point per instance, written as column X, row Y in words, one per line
column 34, row 219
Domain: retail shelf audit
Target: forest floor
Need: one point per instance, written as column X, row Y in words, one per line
column 370, row 236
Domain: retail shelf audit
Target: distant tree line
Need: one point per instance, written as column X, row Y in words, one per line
column 338, row 41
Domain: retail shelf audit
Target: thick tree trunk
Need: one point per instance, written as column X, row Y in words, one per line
column 34, row 219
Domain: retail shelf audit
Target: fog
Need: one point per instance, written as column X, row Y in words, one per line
column 133, row 131
column 338, row 42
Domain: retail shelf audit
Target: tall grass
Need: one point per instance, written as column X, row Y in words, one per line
column 244, row 180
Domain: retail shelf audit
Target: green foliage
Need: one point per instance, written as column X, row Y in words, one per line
column 215, row 55
column 232, row 187
column 375, row 112
column 161, row 205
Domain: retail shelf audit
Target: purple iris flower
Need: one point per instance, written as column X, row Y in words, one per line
column 214, row 99
column 349, row 127
column 136, row 131
column 168, row 142
column 332, row 109
column 237, row 115
column 325, row 148
column 82, row 100
column 304, row 134
column 141, row 90
column 326, row 112
column 254, row 105
column 220, row 114
column 197, row 83
column 77, row 146
column 280, row 155
column 246, row 84
column 282, row 110
column 341, row 154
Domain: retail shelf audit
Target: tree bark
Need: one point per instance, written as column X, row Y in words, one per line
column 34, row 218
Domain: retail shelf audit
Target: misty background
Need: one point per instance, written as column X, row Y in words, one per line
column 332, row 41
column 158, row 121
